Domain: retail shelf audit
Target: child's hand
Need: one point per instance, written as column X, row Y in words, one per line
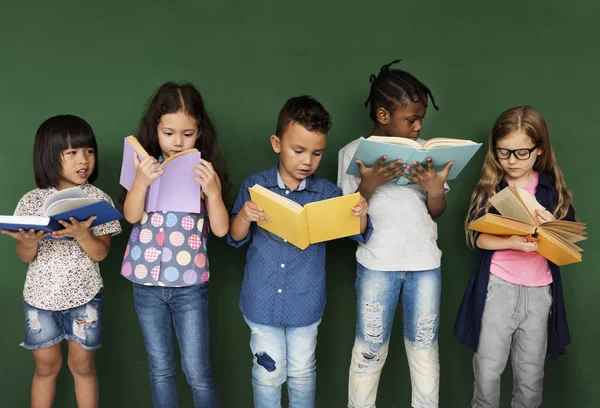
column 252, row 212
column 361, row 208
column 75, row 229
column 373, row 177
column 542, row 216
column 429, row 180
column 208, row 178
column 522, row 244
column 147, row 170
column 27, row 238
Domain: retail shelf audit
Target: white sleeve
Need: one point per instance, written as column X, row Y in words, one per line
column 348, row 183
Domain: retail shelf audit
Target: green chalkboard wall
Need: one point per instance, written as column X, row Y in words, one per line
column 101, row 60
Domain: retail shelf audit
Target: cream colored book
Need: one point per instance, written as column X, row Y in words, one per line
column 556, row 239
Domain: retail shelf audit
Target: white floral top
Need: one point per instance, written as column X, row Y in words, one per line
column 62, row 275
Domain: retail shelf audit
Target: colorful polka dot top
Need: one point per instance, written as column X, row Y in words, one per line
column 168, row 249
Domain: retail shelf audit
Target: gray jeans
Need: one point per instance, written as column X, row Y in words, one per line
column 515, row 322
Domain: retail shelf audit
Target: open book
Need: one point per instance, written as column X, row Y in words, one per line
column 175, row 189
column 70, row 202
column 441, row 150
column 556, row 239
column 318, row 221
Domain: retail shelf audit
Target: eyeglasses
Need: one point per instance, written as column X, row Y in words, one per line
column 520, row 154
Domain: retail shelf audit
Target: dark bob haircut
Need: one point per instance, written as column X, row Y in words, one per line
column 54, row 136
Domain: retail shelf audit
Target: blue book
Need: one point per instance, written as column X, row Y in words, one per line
column 62, row 205
column 441, row 150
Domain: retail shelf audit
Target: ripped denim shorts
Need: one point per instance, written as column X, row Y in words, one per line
column 82, row 324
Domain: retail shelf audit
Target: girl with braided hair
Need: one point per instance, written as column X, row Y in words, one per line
column 401, row 260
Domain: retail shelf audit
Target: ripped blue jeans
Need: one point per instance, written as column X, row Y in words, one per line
column 283, row 353
column 378, row 293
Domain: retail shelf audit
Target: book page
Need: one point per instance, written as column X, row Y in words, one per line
column 23, row 220
column 566, row 235
column 69, row 204
column 445, row 141
column 66, row 194
column 403, row 141
column 286, row 202
column 557, row 250
column 530, row 202
column 194, row 150
column 509, row 204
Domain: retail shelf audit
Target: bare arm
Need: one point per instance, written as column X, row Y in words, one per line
column 211, row 186
column 494, row 243
column 240, row 224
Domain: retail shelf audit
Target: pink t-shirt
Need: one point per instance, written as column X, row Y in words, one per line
column 522, row 268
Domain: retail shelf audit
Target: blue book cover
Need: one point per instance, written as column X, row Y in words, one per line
column 370, row 151
column 62, row 206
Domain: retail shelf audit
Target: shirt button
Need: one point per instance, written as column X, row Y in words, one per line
column 283, row 265
column 287, row 191
column 285, row 240
column 279, row 291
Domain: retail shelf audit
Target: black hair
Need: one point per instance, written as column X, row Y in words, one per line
column 54, row 136
column 307, row 112
column 172, row 97
column 392, row 87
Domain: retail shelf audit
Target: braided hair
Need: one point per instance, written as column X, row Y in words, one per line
column 392, row 87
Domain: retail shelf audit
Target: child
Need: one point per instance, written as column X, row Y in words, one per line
column 283, row 292
column 63, row 287
column 514, row 294
column 166, row 257
column 401, row 261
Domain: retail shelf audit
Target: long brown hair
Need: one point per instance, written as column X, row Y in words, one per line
column 529, row 121
column 172, row 97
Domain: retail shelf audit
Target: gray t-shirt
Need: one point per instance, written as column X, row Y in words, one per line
column 404, row 234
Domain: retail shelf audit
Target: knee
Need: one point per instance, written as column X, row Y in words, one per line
column 268, row 372
column 48, row 367
column 368, row 360
column 82, row 366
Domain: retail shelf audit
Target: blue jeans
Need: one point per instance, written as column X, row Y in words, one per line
column 183, row 311
column 81, row 324
column 283, row 353
column 378, row 293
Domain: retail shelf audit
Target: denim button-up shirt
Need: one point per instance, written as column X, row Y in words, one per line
column 284, row 285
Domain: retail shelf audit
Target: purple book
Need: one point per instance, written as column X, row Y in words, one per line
column 175, row 190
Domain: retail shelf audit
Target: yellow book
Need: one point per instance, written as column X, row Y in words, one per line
column 555, row 239
column 315, row 222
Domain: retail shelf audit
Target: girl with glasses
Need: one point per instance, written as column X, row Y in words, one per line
column 513, row 304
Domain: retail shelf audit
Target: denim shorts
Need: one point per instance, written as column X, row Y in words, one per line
column 82, row 324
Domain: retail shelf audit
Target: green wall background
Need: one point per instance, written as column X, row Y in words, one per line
column 102, row 60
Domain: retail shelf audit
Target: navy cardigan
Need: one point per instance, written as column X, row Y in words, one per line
column 468, row 322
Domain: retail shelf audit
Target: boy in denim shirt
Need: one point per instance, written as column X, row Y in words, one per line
column 283, row 291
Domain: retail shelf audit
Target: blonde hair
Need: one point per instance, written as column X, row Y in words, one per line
column 529, row 121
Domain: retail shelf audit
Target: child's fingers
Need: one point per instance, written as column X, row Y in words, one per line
column 208, row 165
column 418, row 167
column 393, row 166
column 447, row 169
column 429, row 164
column 380, row 162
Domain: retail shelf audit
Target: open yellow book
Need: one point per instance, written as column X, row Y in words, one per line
column 429, row 144
column 556, row 239
column 318, row 221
